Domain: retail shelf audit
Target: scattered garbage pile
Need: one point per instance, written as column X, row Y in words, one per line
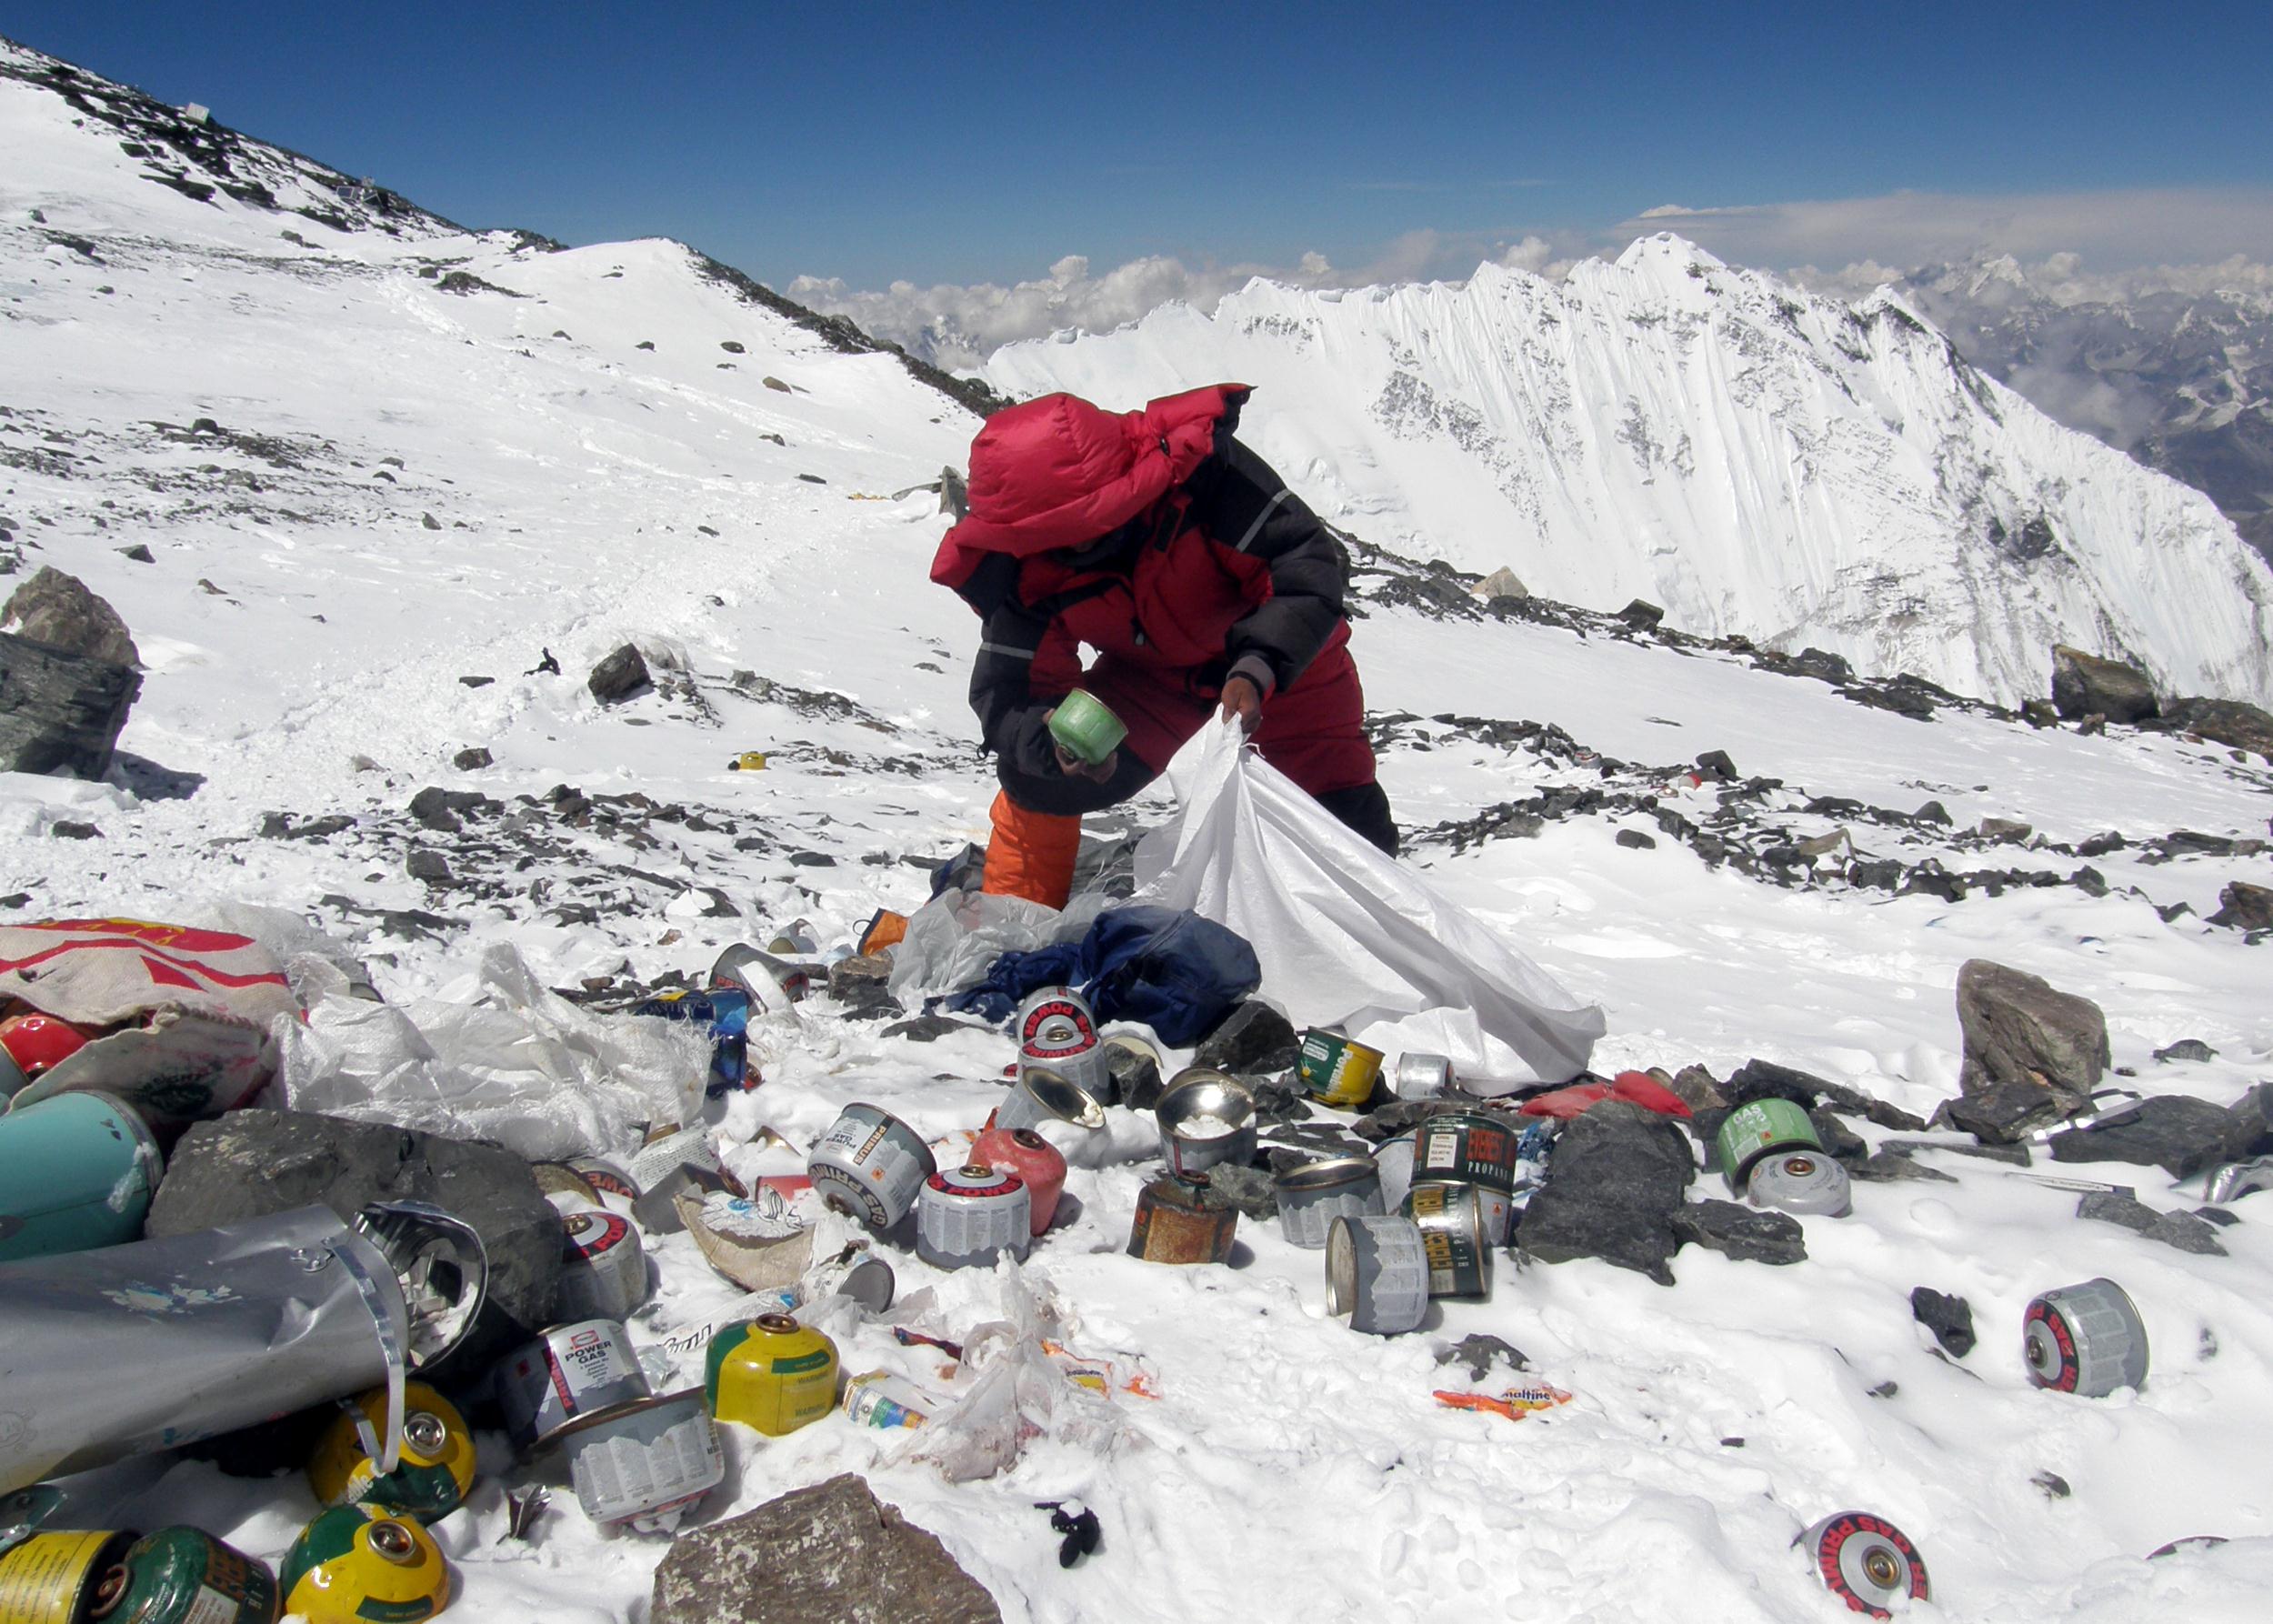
column 192, row 1258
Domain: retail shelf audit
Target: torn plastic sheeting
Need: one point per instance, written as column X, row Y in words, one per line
column 504, row 1058
column 1348, row 937
column 954, row 939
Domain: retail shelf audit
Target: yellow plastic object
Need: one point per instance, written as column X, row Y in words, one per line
column 359, row 1564
column 438, row 1458
column 748, row 761
column 770, row 1373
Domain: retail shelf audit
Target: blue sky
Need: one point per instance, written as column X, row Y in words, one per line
column 970, row 142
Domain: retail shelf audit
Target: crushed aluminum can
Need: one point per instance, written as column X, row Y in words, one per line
column 51, row 1578
column 1337, row 1071
column 77, row 1173
column 1311, row 1196
column 880, row 1398
column 771, row 1374
column 869, row 1166
column 1174, row 1223
column 2236, row 1180
column 1421, row 1077
column 2086, row 1339
column 1376, row 1272
column 1393, row 1161
column 1057, row 1029
column 971, row 1215
column 1450, row 1218
column 437, row 1469
column 604, row 1272
column 569, row 1373
column 644, row 1467
column 357, row 1564
column 1035, row 1159
column 1801, row 1181
column 1756, row 1128
column 184, row 1575
column 148, row 1346
column 1205, row 1117
column 1866, row 1561
column 1039, row 1094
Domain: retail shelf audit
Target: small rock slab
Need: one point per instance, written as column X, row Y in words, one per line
column 1253, row 1037
column 1950, row 1319
column 2180, row 1230
column 1748, row 1234
column 2175, row 1132
column 619, row 677
column 1614, row 1182
column 831, row 1554
column 2084, row 685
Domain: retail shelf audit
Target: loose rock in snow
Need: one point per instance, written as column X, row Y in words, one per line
column 1481, row 1353
column 1642, row 615
column 619, row 677
column 59, row 612
column 1745, row 1233
column 251, row 1163
column 830, row 1554
column 929, row 1029
column 1501, row 582
column 2084, row 685
column 2187, row 1049
column 2229, row 722
column 1250, row 1192
column 2174, row 1132
column 2245, row 907
column 1696, row 1089
column 472, row 760
column 1613, row 1184
column 2180, row 1230
column 1950, row 1319
column 1253, row 1037
column 2019, row 1030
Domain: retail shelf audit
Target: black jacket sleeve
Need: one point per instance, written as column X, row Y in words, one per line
column 1244, row 504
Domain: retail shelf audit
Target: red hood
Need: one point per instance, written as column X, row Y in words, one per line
column 1059, row 472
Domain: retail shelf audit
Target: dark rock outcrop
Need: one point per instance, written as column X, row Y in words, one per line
column 1614, row 1182
column 2084, row 685
column 2021, row 1032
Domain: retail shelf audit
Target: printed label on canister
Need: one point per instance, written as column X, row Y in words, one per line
column 879, row 1398
column 972, row 1214
column 603, row 1273
column 1466, row 1149
column 1056, row 1030
column 1393, row 1161
column 1335, row 1069
column 648, row 1464
column 1376, row 1272
column 870, row 1164
column 572, row 1370
column 1451, row 1221
column 1758, row 1127
column 50, row 1577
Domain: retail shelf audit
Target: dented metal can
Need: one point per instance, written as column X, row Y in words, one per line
column 604, row 1272
column 1421, row 1077
column 1393, row 1161
column 1376, row 1272
column 569, row 1373
column 433, row 1476
column 870, row 1165
column 1311, row 1196
column 1174, row 1223
column 76, row 1172
column 971, row 1215
column 857, row 1273
column 645, row 1466
column 1450, row 1218
column 1039, row 1094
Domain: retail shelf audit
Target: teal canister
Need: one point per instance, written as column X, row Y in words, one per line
column 76, row 1172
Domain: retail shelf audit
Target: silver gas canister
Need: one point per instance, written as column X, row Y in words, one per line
column 1205, row 1117
column 870, row 1165
column 1056, row 1029
column 1040, row 1095
column 1376, row 1272
column 2086, row 1339
column 604, row 1272
column 1867, row 1562
column 643, row 1467
column 570, row 1373
column 1421, row 1077
column 1311, row 1196
column 972, row 1215
column 1801, row 1181
column 1393, row 1159
column 134, row 1348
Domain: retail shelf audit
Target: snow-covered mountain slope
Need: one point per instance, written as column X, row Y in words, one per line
column 346, row 653
column 1754, row 459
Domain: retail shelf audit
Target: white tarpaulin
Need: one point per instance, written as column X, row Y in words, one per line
column 1348, row 938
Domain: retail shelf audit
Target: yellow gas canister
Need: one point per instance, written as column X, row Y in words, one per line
column 51, row 1578
column 437, row 1458
column 360, row 1565
column 770, row 1373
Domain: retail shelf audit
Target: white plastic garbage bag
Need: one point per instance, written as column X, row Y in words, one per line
column 954, row 939
column 498, row 1055
column 1348, row 937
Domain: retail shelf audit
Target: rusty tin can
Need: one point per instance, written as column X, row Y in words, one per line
column 972, row 1214
column 1466, row 1148
column 1311, row 1196
column 181, row 1576
column 1175, row 1225
column 1205, row 1117
column 642, row 1468
column 1057, row 1029
column 1376, row 1272
column 51, row 1578
column 569, row 1373
column 869, row 1164
column 604, row 1272
column 1337, row 1071
column 1450, row 1218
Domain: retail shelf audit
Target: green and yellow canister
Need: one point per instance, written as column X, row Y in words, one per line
column 76, row 1172
column 1758, row 1127
column 770, row 1373
column 434, row 1472
column 1085, row 728
column 184, row 1575
column 1336, row 1070
column 360, row 1565
column 51, row 1578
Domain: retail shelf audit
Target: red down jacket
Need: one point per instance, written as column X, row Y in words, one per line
column 1159, row 541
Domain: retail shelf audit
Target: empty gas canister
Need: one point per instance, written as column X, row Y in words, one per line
column 54, row 1577
column 770, row 1373
column 76, row 1172
column 182, row 1576
column 357, row 1564
column 437, row 1458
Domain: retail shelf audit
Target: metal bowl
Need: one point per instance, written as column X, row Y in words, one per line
column 1199, row 1095
column 1041, row 1095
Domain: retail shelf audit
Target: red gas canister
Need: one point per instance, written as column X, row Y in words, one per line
column 1034, row 1159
